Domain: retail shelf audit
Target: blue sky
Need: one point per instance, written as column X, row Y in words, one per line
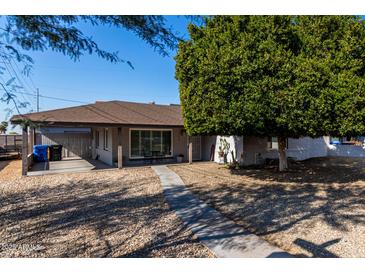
column 93, row 78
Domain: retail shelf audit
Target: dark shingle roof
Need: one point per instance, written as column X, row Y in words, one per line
column 112, row 112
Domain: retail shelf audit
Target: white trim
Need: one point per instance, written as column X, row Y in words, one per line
column 151, row 129
column 106, row 137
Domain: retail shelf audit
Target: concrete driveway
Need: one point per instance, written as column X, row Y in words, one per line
column 66, row 165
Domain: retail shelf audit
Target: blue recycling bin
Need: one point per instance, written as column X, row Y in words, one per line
column 40, row 153
column 335, row 142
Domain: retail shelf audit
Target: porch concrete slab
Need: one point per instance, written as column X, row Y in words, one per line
column 222, row 236
column 66, row 165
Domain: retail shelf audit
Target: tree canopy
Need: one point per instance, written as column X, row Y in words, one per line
column 285, row 76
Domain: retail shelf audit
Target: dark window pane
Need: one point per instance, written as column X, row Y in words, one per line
column 166, row 143
column 146, row 143
column 156, row 143
column 135, row 143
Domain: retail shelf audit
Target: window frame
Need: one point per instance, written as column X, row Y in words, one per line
column 106, row 139
column 151, row 157
column 269, row 143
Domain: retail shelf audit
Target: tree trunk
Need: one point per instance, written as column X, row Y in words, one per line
column 283, row 163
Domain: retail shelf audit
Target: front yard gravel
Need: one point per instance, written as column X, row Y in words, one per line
column 114, row 213
column 317, row 209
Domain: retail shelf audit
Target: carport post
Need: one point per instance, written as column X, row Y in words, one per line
column 31, row 139
column 25, row 150
column 120, row 156
column 190, row 152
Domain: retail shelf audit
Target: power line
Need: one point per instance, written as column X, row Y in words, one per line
column 25, row 79
column 31, row 80
column 11, row 75
column 53, row 98
column 37, row 99
column 50, row 97
column 62, row 99
column 37, row 95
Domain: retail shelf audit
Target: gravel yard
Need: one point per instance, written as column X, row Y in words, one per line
column 115, row 213
column 316, row 209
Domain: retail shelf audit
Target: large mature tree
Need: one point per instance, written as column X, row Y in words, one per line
column 284, row 76
column 19, row 35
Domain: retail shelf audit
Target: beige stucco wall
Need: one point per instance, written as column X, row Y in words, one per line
column 253, row 149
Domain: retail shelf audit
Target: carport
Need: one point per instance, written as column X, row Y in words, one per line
column 76, row 140
column 70, row 164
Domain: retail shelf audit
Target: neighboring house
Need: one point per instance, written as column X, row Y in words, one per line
column 148, row 134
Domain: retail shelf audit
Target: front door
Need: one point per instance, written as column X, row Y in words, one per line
column 196, row 141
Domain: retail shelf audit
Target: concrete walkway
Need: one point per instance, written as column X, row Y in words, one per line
column 221, row 235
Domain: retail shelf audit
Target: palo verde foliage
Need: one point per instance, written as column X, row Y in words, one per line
column 21, row 34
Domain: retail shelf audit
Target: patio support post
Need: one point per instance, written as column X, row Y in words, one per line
column 120, row 156
column 31, row 139
column 119, row 135
column 25, row 150
column 190, row 152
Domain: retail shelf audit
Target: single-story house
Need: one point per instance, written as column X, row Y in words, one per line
column 128, row 133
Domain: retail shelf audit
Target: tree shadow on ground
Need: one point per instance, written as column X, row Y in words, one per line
column 267, row 202
column 92, row 218
column 318, row 251
column 268, row 209
column 315, row 170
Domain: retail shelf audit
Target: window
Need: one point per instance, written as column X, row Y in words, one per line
column 272, row 143
column 106, row 139
column 150, row 143
column 97, row 139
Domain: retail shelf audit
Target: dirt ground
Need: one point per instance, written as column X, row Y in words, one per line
column 115, row 213
column 316, row 209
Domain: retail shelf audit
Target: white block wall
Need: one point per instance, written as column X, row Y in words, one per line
column 235, row 142
column 303, row 148
column 306, row 147
column 346, row 151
